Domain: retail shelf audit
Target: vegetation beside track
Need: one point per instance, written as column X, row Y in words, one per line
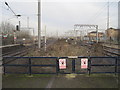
column 63, row 48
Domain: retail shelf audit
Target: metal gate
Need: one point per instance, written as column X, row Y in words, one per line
column 50, row 65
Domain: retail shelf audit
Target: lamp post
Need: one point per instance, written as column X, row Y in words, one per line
column 12, row 10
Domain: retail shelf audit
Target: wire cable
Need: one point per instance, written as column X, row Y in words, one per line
column 10, row 8
column 96, row 14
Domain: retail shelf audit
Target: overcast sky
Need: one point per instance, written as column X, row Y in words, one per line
column 61, row 15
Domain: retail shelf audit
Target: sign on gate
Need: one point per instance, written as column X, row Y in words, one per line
column 84, row 63
column 62, row 63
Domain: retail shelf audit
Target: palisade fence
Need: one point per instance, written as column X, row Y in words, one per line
column 50, row 65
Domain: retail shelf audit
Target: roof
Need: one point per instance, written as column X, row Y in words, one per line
column 112, row 29
column 93, row 32
column 96, row 32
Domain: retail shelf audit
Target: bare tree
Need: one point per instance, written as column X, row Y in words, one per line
column 24, row 34
column 6, row 30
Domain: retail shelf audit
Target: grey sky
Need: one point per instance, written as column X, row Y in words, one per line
column 60, row 15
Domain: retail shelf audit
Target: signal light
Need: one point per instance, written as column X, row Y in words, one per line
column 17, row 28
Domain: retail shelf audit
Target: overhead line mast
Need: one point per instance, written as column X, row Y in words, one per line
column 39, row 24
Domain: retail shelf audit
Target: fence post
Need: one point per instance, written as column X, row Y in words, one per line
column 116, row 64
column 29, row 66
column 89, row 66
column 57, row 66
column 73, row 66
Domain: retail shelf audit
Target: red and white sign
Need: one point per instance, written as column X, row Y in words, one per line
column 15, row 37
column 84, row 63
column 62, row 63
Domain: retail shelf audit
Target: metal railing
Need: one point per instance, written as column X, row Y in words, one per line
column 73, row 65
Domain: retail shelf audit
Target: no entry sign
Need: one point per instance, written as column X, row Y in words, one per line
column 84, row 63
column 62, row 63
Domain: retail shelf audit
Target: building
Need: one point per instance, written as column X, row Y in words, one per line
column 92, row 35
column 86, row 38
column 112, row 34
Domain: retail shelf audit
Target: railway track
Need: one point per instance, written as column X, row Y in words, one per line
column 110, row 51
column 107, row 49
column 23, row 51
column 19, row 52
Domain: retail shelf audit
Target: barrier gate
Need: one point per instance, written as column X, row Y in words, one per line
column 60, row 65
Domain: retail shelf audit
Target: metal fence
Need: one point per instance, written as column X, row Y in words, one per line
column 50, row 65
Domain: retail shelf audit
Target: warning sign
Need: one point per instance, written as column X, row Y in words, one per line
column 84, row 63
column 15, row 37
column 62, row 63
